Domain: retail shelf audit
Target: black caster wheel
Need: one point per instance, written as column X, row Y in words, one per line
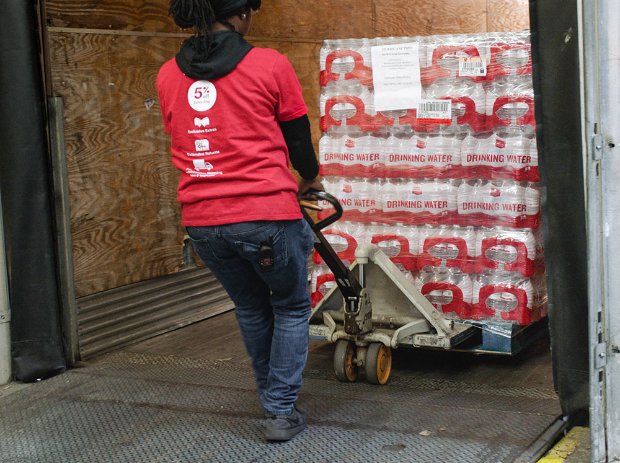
column 378, row 363
column 344, row 361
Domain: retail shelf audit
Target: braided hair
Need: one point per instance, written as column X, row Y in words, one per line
column 193, row 13
column 203, row 14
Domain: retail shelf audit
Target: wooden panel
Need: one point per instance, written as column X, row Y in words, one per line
column 125, row 219
column 139, row 15
column 276, row 19
column 314, row 20
column 429, row 17
column 285, row 19
column 508, row 15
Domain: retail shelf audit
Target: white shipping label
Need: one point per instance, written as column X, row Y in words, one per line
column 435, row 109
column 472, row 67
column 396, row 76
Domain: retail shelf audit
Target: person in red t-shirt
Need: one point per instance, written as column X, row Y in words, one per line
column 236, row 117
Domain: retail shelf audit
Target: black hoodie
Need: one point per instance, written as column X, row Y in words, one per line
column 225, row 51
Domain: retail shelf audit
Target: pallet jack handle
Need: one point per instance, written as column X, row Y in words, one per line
column 346, row 280
column 315, row 195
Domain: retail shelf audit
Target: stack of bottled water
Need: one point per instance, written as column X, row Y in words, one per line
column 453, row 202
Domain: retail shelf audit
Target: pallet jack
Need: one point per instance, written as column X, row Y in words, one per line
column 373, row 308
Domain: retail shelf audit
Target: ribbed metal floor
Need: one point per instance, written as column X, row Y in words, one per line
column 129, row 314
column 137, row 407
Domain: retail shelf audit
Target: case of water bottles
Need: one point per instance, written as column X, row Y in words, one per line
column 454, row 202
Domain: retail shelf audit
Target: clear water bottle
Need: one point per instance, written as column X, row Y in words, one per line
column 440, row 155
column 532, row 201
column 534, row 173
column 399, row 157
column 359, row 232
column 473, row 157
column 509, row 197
column 368, row 162
column 332, row 186
column 514, row 148
column 330, row 156
column 392, row 205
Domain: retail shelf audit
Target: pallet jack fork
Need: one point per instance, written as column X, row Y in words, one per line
column 373, row 308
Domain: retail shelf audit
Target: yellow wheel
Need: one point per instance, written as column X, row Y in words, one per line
column 378, row 363
column 344, row 361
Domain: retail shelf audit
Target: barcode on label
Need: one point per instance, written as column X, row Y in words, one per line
column 472, row 67
column 435, row 109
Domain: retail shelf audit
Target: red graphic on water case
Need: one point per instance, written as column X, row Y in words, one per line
column 360, row 71
column 359, row 118
column 322, row 287
column 404, row 257
column 471, row 117
column 505, row 105
column 506, row 254
column 410, row 118
column 501, row 144
column 510, row 59
column 506, row 302
column 347, row 254
column 447, row 297
column 451, row 252
column 349, row 143
column 450, row 52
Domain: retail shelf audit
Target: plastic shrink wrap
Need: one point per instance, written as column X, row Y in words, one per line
column 453, row 201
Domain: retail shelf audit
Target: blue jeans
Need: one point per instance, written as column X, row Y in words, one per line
column 272, row 305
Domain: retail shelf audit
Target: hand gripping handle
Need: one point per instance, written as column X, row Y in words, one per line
column 314, row 195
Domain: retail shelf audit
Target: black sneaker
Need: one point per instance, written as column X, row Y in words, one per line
column 280, row 428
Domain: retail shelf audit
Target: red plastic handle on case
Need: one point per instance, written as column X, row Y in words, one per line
column 404, row 258
column 349, row 253
column 461, row 261
column 361, row 118
column 435, row 71
column 496, row 69
column 521, row 264
column 472, row 117
column 360, row 71
column 520, row 314
column 528, row 118
column 458, row 305
column 320, row 281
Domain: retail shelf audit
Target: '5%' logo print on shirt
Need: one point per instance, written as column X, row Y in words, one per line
column 202, row 95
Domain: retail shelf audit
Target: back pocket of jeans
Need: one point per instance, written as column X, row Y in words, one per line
column 274, row 236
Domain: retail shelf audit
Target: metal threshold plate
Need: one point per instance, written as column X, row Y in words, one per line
column 133, row 407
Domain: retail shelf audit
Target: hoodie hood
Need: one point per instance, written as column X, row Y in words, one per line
column 223, row 53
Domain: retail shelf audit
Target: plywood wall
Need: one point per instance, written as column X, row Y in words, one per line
column 104, row 56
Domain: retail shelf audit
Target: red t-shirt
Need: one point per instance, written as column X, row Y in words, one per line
column 227, row 142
